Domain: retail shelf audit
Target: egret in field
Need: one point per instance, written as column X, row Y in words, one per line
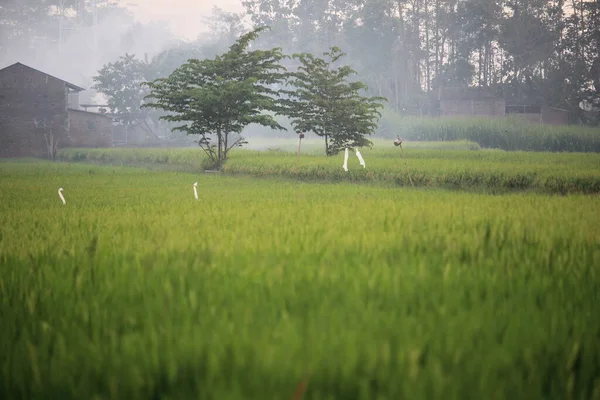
column 196, row 190
column 345, row 166
column 61, row 196
column 360, row 159
column 398, row 143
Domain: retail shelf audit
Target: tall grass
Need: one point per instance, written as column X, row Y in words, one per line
column 135, row 290
column 507, row 133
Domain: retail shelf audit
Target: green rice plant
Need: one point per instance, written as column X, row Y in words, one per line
column 136, row 290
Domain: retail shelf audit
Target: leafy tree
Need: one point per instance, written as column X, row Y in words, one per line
column 325, row 103
column 121, row 82
column 168, row 60
column 21, row 21
column 224, row 26
column 278, row 15
column 221, row 96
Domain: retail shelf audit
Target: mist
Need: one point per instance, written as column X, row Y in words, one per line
column 80, row 57
column 408, row 52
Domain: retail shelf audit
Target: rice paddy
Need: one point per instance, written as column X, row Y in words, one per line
column 285, row 289
column 452, row 165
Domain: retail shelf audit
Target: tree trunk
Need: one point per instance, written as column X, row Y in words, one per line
column 51, row 144
column 225, row 143
column 427, row 54
column 396, row 84
column 220, row 144
column 486, row 56
column 437, row 38
column 480, row 69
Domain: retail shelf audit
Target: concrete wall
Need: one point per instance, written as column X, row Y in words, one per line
column 546, row 115
column 130, row 135
column 484, row 107
column 554, row 116
column 535, row 118
column 31, row 104
column 87, row 129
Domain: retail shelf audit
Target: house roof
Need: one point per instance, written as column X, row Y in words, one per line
column 68, row 84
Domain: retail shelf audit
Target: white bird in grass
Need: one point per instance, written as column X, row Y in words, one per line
column 196, row 190
column 61, row 196
column 360, row 159
column 345, row 166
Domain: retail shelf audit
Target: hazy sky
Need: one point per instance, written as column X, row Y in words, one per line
column 184, row 16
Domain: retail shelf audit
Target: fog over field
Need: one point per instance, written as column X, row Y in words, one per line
column 73, row 44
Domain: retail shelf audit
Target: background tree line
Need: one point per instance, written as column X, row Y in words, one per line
column 528, row 51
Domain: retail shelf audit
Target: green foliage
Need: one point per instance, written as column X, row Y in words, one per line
column 221, row 96
column 136, row 290
column 167, row 61
column 324, row 102
column 120, row 81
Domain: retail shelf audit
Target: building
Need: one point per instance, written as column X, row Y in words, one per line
column 468, row 101
column 539, row 114
column 88, row 129
column 476, row 101
column 39, row 111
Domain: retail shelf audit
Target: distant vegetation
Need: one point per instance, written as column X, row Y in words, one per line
column 500, row 133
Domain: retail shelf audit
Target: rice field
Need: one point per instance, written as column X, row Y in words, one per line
column 460, row 165
column 283, row 289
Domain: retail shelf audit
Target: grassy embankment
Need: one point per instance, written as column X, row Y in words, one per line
column 456, row 165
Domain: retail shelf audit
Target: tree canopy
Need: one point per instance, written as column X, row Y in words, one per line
column 325, row 102
column 121, row 82
column 544, row 52
column 220, row 96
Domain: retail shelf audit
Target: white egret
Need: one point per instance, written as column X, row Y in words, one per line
column 345, row 166
column 360, row 159
column 61, row 196
column 195, row 190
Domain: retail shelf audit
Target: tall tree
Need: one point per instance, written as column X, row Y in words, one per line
column 219, row 97
column 528, row 41
column 324, row 102
column 120, row 81
column 225, row 27
column 23, row 20
column 278, row 15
